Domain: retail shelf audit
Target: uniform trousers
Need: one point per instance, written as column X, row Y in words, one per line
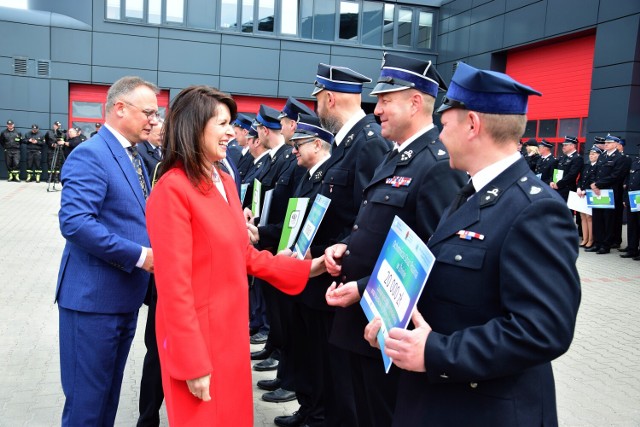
column 34, row 161
column 12, row 159
column 279, row 314
column 604, row 227
column 633, row 231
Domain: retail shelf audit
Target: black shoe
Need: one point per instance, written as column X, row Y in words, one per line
column 269, row 364
column 269, row 385
column 624, row 249
column 636, row 258
column 261, row 354
column 279, row 396
column 629, row 255
column 253, row 331
column 294, row 420
column 258, row 338
column 615, row 246
column 592, row 248
column 603, row 251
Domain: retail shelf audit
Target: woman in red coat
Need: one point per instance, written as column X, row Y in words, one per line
column 202, row 257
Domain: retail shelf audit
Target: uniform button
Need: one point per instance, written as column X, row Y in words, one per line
column 344, row 279
column 347, row 252
column 386, row 197
column 473, row 385
column 355, row 227
column 444, row 375
column 458, row 257
column 331, row 179
column 364, row 203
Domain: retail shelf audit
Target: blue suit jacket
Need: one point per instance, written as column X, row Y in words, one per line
column 102, row 217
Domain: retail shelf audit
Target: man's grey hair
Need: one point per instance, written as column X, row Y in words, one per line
column 124, row 86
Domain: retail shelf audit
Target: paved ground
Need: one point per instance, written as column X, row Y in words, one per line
column 598, row 380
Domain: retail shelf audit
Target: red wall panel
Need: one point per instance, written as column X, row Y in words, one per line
column 251, row 104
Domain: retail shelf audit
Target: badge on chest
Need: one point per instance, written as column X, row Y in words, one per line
column 398, row 181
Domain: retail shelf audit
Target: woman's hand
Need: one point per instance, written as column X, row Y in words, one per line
column 199, row 387
column 254, row 234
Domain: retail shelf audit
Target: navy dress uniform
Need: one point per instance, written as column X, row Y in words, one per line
column 546, row 165
column 633, row 218
column 532, row 160
column 415, row 184
column 497, row 319
column 571, row 166
column 244, row 157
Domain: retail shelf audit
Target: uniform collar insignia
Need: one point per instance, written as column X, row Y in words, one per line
column 349, row 140
column 535, row 190
column 490, row 196
column 441, row 152
column 406, row 155
column 370, row 133
column 317, row 175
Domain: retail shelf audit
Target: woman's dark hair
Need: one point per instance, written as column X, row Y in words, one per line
column 184, row 130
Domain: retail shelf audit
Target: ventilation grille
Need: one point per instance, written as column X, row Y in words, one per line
column 20, row 66
column 43, row 67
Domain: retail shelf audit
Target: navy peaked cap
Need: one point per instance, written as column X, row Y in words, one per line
column 599, row 139
column 253, row 133
column 610, row 138
column 532, row 142
column 401, row 73
column 243, row 121
column 486, row 92
column 338, row 79
column 293, row 108
column 267, row 117
column 596, row 150
column 309, row 126
column 545, row 143
column 570, row 140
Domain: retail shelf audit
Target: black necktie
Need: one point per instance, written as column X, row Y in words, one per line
column 465, row 192
column 158, row 151
column 137, row 164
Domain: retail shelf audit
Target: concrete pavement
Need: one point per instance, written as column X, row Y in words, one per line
column 598, row 380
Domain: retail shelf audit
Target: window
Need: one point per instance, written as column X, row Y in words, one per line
column 324, row 25
column 425, row 28
column 113, row 9
column 389, row 10
column 289, row 17
column 247, row 16
column 154, row 14
column 569, row 127
column 349, row 12
column 229, row 14
column 86, row 110
column 405, row 19
column 372, row 23
column 266, row 13
column 134, row 9
column 531, row 129
column 548, row 128
column 175, row 11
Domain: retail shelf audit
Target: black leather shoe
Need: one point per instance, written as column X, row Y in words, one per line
column 258, row 338
column 269, row 385
column 261, row 354
column 629, row 255
column 591, row 249
column 279, row 396
column 624, row 249
column 603, row 251
column 269, row 364
column 636, row 258
column 294, row 420
column 615, row 246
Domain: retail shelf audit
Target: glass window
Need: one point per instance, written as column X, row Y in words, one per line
column 229, row 14
column 583, row 128
column 388, row 25
column 306, row 19
column 530, row 130
column 425, row 28
column 154, row 16
column 324, row 25
column 569, row 127
column 371, row 23
column 266, row 12
column 86, row 127
column 548, row 128
column 405, row 19
column 247, row 16
column 113, row 9
column 175, row 11
column 134, row 9
column 289, row 17
column 86, row 110
column 349, row 20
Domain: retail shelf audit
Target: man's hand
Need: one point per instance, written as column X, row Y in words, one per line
column 553, row 185
column 199, row 387
column 148, row 261
column 254, row 234
column 595, row 189
column 406, row 348
column 248, row 215
column 342, row 295
column 333, row 258
column 371, row 332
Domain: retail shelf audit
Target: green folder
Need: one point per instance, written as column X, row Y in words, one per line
column 292, row 221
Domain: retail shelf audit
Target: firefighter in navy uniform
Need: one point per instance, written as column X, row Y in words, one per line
column 570, row 163
column 10, row 140
column 546, row 163
column 415, row 183
column 632, row 183
column 35, row 144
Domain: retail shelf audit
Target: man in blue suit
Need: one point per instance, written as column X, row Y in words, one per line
column 493, row 320
column 104, row 273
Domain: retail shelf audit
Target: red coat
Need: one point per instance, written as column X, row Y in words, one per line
column 202, row 257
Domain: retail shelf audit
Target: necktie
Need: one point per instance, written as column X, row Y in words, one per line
column 158, row 151
column 137, row 164
column 465, row 192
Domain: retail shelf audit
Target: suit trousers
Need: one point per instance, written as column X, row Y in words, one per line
column 93, row 352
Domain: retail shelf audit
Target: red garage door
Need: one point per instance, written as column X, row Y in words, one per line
column 562, row 72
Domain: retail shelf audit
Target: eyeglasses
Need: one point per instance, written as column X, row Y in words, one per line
column 151, row 114
column 297, row 144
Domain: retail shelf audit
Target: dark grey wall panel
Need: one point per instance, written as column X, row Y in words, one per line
column 59, row 101
column 71, row 46
column 458, row 44
column 320, row 48
column 487, row 10
column 633, row 123
column 182, row 80
column 604, row 116
column 141, row 52
column 443, row 26
column 487, row 35
column 517, row 4
column 24, row 93
column 476, row 3
column 188, row 57
column 569, row 15
column 249, row 63
column 24, row 40
column 201, row 14
column 609, row 49
column 243, row 86
column 368, row 67
column 72, row 72
column 194, row 36
column 300, row 66
column 357, row 51
column 456, row 6
column 108, row 75
column 297, row 90
column 524, row 25
column 620, row 9
column 460, row 20
column 612, row 76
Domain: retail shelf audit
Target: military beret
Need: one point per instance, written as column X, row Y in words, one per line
column 486, row 92
column 293, row 108
column 267, row 117
column 401, row 73
column 338, row 79
column 309, row 126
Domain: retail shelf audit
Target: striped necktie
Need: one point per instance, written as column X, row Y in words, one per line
column 137, row 164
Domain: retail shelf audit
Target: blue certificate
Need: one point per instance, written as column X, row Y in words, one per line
column 603, row 201
column 397, row 281
column 634, row 201
column 310, row 227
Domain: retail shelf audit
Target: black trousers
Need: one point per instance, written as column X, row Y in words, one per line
column 279, row 313
column 12, row 160
column 633, row 231
column 604, row 228
column 34, row 161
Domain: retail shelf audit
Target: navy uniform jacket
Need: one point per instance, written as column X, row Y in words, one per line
column 498, row 319
column 545, row 167
column 349, row 170
column 572, row 166
column 244, row 164
column 150, row 158
column 532, row 161
column 633, row 179
column 417, row 185
column 234, row 151
column 611, row 172
column 587, row 176
column 255, row 169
